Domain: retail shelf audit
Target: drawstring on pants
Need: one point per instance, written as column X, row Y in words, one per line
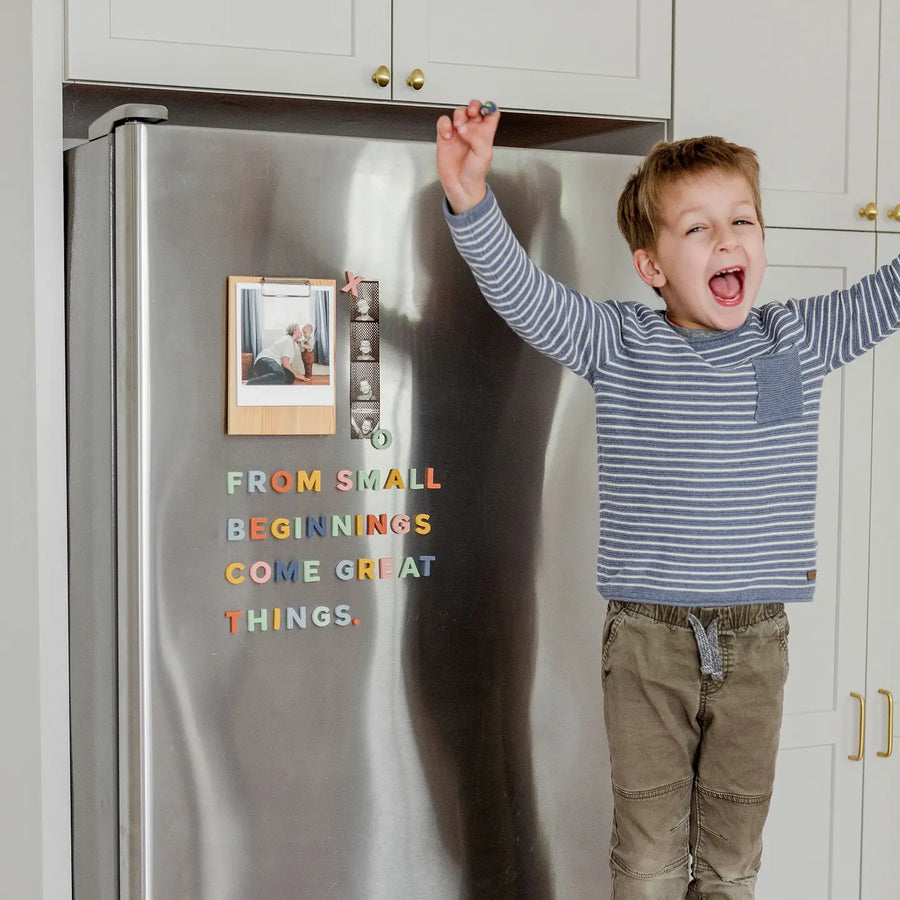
column 708, row 645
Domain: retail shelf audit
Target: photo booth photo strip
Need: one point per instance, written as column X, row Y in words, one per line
column 364, row 357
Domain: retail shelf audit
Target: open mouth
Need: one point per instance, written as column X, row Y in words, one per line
column 727, row 286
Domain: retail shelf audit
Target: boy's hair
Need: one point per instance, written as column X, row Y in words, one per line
column 640, row 203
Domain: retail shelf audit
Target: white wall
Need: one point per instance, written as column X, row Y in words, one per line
column 34, row 765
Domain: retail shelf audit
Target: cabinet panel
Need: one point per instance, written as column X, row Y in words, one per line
column 889, row 118
column 263, row 25
column 304, row 47
column 799, row 83
column 608, row 57
column 818, row 791
column 809, row 814
column 881, row 832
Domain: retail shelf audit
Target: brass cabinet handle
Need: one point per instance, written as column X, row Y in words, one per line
column 862, row 727
column 416, row 79
column 869, row 211
column 382, row 76
column 890, row 740
column 894, row 213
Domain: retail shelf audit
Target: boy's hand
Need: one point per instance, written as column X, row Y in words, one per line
column 464, row 152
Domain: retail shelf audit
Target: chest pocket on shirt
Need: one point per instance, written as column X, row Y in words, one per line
column 779, row 388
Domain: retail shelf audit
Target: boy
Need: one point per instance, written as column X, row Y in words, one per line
column 306, row 344
column 707, row 420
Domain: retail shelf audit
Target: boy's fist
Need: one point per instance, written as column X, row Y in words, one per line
column 464, row 151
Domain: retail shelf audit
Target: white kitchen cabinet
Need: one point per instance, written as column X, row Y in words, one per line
column 812, row 845
column 889, row 119
column 799, row 82
column 833, row 827
column 881, row 827
column 610, row 57
column 300, row 47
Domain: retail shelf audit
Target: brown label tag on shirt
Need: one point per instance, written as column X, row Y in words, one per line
column 811, row 575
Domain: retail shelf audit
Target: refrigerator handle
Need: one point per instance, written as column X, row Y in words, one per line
column 128, row 112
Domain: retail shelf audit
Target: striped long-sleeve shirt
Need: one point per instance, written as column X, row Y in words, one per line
column 707, row 450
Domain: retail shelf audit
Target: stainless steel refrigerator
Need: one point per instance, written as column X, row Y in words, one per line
column 408, row 731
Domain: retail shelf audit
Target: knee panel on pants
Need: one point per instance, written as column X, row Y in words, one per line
column 735, row 858
column 651, row 829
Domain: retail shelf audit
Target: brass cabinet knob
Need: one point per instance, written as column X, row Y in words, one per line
column 382, row 76
column 416, row 79
column 869, row 211
column 894, row 213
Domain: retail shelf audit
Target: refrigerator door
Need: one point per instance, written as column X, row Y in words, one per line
column 449, row 744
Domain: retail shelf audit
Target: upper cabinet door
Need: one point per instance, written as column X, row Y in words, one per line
column 889, row 119
column 272, row 46
column 796, row 81
column 611, row 57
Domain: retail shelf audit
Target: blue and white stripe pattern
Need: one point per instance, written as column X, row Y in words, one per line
column 707, row 450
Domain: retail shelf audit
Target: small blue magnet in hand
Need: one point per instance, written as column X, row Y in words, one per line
column 488, row 108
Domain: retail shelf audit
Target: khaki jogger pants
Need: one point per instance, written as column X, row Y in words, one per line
column 693, row 754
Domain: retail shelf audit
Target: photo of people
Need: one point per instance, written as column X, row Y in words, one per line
column 365, row 362
column 364, row 342
column 366, row 307
column 365, row 392
column 283, row 337
column 275, row 364
column 364, row 421
column 364, row 382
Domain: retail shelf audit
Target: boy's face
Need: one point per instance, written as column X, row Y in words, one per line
column 710, row 255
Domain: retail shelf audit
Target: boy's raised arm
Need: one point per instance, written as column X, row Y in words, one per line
column 556, row 320
column 465, row 147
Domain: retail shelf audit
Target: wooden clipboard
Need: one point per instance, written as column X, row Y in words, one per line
column 259, row 406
